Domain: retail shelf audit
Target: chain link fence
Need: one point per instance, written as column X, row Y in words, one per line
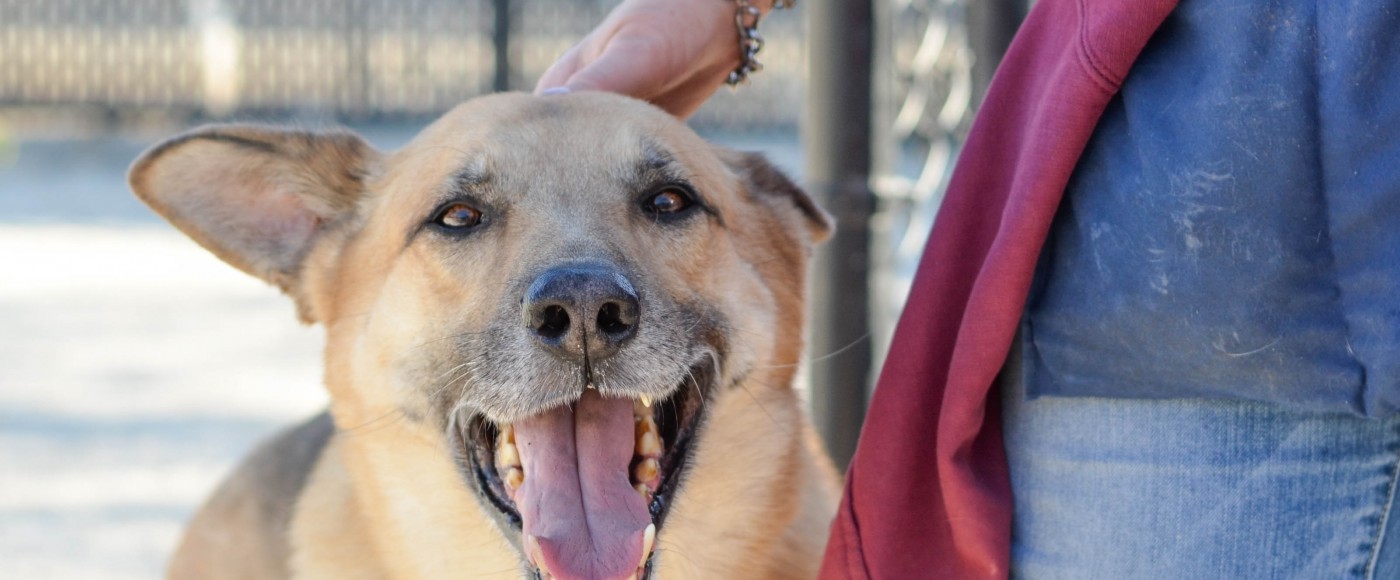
column 347, row 59
column 923, row 109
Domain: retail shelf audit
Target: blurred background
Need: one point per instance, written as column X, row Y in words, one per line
column 135, row 368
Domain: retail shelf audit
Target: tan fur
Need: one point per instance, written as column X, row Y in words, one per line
column 333, row 223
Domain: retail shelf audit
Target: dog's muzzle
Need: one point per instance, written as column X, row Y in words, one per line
column 582, row 481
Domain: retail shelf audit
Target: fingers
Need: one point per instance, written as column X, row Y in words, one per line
column 558, row 73
column 674, row 54
column 618, row 69
column 622, row 69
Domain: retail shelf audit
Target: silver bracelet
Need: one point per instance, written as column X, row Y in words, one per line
column 746, row 17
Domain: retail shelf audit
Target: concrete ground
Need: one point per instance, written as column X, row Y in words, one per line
column 135, row 368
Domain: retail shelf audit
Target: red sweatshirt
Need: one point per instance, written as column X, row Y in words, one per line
column 927, row 494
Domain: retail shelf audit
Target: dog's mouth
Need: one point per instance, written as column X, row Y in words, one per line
column 585, row 487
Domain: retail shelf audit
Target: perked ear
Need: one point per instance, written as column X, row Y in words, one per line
column 763, row 179
column 255, row 196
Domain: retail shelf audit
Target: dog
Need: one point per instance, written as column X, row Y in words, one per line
column 561, row 339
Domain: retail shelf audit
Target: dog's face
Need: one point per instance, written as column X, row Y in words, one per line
column 555, row 288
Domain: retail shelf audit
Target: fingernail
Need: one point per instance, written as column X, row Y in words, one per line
column 555, row 91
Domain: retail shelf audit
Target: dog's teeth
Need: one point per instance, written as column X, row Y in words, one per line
column 648, row 440
column 649, row 445
column 514, row 477
column 646, row 401
column 643, row 491
column 507, row 456
column 648, row 541
column 646, row 470
column 534, row 554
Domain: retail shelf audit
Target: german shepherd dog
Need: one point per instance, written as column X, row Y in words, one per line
column 561, row 339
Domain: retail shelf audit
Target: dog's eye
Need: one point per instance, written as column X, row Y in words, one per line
column 458, row 216
column 668, row 201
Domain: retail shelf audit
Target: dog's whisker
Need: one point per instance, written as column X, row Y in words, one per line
column 458, row 335
column 835, row 353
column 774, row 420
column 695, row 385
column 454, row 369
column 362, row 428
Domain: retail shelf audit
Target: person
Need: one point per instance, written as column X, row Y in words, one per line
column 673, row 54
column 1154, row 333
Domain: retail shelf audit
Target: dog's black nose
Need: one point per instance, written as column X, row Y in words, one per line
column 581, row 310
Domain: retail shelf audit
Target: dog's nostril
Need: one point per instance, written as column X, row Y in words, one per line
column 554, row 323
column 581, row 312
column 617, row 320
column 611, row 320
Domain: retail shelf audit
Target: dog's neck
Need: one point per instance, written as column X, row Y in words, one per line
column 397, row 495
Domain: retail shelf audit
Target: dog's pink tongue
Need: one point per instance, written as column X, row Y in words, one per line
column 577, row 498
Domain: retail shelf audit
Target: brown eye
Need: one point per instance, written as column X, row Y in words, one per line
column 669, row 200
column 458, row 216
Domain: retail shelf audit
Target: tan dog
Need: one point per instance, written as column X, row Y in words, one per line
column 561, row 339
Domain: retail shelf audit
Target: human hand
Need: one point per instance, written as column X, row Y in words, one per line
column 674, row 53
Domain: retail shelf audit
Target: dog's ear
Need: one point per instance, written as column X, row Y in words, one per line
column 766, row 181
column 255, row 196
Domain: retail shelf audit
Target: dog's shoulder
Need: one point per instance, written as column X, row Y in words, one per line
column 241, row 531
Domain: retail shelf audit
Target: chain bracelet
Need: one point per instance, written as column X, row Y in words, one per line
column 746, row 17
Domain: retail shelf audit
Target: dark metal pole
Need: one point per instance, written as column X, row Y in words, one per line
column 500, row 39
column 990, row 26
column 355, row 95
column 836, row 137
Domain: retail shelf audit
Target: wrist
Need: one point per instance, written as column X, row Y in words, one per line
column 747, row 16
column 766, row 6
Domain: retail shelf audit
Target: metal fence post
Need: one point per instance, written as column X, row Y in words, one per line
column 836, row 139
column 991, row 24
column 500, row 40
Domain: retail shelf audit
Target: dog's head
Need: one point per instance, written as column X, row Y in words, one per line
column 554, row 289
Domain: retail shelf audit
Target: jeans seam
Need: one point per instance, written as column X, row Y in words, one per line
column 1386, row 514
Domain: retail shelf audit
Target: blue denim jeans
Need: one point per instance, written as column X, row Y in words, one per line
column 1199, row 489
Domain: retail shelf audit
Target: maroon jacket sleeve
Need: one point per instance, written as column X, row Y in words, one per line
column 927, row 494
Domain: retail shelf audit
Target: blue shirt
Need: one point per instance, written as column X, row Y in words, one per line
column 1233, row 228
